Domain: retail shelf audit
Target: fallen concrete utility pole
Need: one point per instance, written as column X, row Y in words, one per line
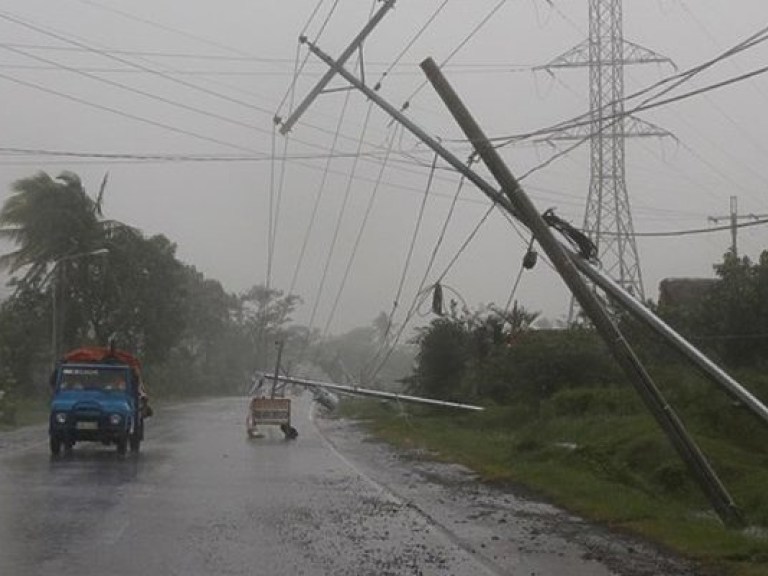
column 357, row 391
column 622, row 352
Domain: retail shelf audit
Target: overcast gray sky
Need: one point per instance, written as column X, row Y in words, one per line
column 202, row 78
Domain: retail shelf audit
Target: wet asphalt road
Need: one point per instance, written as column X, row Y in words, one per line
column 203, row 499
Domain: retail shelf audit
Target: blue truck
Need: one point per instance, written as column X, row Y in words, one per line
column 98, row 396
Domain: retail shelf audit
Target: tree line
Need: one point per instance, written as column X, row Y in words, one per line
column 78, row 278
column 494, row 356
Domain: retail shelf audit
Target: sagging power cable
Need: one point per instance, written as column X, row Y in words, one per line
column 340, row 218
column 361, row 230
column 319, row 194
column 410, row 44
column 409, row 256
column 456, row 50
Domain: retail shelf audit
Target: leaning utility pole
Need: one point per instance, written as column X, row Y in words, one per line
column 608, row 216
column 662, row 412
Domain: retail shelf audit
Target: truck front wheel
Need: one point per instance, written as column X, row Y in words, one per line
column 122, row 445
column 55, row 445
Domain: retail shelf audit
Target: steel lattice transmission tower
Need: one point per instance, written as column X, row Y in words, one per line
column 608, row 217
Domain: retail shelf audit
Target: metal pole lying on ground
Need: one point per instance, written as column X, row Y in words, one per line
column 659, row 408
column 356, row 391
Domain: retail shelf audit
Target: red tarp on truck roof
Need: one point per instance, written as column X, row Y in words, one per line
column 99, row 354
column 102, row 355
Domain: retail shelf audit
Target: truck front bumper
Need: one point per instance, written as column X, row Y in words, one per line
column 91, row 428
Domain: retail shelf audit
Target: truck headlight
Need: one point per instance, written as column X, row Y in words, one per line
column 61, row 418
column 115, row 419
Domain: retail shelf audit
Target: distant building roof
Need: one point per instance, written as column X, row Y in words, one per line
column 678, row 291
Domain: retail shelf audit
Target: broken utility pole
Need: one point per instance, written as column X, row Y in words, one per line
column 619, row 294
column 668, row 420
column 328, row 76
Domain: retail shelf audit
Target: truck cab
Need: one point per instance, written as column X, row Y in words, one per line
column 97, row 398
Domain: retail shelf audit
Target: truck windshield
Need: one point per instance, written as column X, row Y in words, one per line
column 111, row 379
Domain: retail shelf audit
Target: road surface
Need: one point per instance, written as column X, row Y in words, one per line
column 202, row 499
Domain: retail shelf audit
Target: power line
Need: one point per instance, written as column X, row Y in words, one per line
column 407, row 264
column 145, row 120
column 31, row 26
column 165, row 28
column 339, row 219
column 140, row 92
column 495, row 69
column 151, row 53
column 170, row 157
column 456, row 50
column 274, row 216
column 124, row 114
column 298, row 71
column 413, row 40
column 462, row 68
column 677, row 79
column 162, row 74
column 693, row 231
column 319, row 195
column 358, row 238
column 714, row 41
column 641, row 108
column 166, row 157
column 240, row 54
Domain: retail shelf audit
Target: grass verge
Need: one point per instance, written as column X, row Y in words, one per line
column 24, row 412
column 617, row 469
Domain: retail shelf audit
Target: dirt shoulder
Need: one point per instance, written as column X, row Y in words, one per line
column 508, row 528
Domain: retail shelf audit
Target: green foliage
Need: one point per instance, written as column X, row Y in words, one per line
column 25, row 335
column 737, row 310
column 595, row 402
column 7, row 399
column 538, row 364
column 458, row 353
column 192, row 336
column 265, row 316
column 731, row 322
column 613, row 466
column 564, row 420
column 47, row 220
column 489, row 356
column 442, row 359
column 355, row 356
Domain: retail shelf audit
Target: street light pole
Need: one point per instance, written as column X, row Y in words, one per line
column 55, row 285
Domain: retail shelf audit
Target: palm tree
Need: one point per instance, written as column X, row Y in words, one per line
column 52, row 222
column 49, row 219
